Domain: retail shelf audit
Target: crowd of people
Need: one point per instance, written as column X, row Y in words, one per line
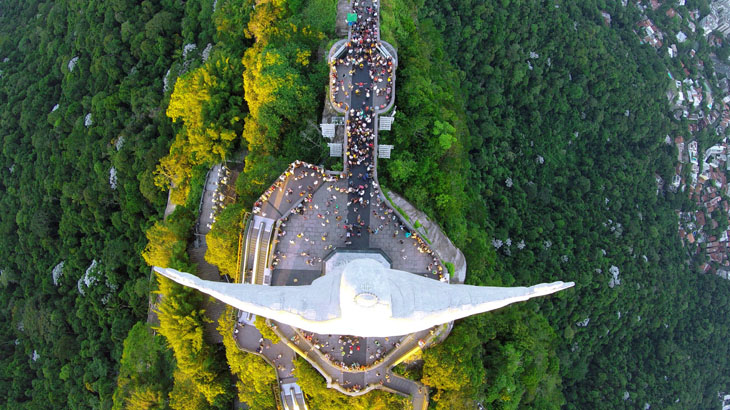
column 361, row 187
column 327, row 211
column 346, row 347
column 360, row 140
column 221, row 195
column 362, row 50
column 331, row 212
column 298, row 170
column 384, row 215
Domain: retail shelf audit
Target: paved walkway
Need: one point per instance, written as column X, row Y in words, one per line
column 300, row 240
column 279, row 354
column 359, row 174
column 343, row 7
column 170, row 207
column 219, row 190
column 417, row 391
column 294, row 277
column 206, row 212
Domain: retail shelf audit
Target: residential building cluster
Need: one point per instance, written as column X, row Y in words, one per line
column 701, row 172
column 651, row 34
column 690, row 95
column 718, row 19
column 705, row 230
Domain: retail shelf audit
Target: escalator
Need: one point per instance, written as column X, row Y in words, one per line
column 262, row 252
column 250, row 250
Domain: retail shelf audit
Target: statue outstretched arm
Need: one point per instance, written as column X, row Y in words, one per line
column 283, row 303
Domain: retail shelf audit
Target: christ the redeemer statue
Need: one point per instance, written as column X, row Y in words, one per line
column 364, row 299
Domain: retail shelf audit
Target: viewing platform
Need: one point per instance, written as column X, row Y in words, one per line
column 310, row 218
column 344, row 61
column 312, row 213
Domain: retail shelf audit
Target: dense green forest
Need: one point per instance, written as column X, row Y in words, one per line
column 566, row 118
column 529, row 130
column 83, row 89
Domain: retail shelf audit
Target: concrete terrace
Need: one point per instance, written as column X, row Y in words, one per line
column 296, row 184
column 316, row 229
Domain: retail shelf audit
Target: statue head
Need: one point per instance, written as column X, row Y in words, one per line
column 365, row 291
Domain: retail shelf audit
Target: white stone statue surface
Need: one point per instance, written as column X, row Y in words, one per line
column 365, row 299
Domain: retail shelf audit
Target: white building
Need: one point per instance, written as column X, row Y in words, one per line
column 714, row 150
column 718, row 19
